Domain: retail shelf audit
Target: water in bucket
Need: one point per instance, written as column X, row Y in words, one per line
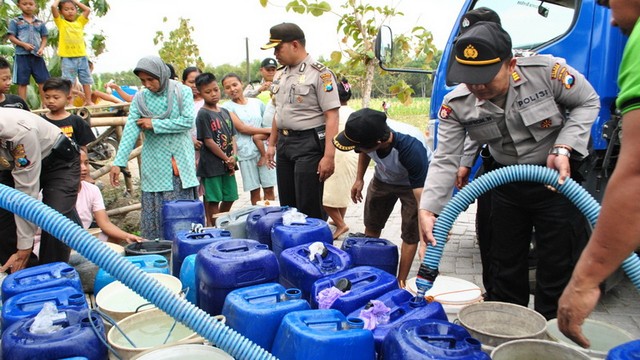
column 603, row 337
column 453, row 293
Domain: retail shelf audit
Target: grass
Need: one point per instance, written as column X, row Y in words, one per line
column 416, row 113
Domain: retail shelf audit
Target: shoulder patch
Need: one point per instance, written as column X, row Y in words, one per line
column 319, row 66
column 20, row 159
column 444, row 111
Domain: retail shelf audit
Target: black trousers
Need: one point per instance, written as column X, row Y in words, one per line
column 59, row 181
column 298, row 156
column 561, row 234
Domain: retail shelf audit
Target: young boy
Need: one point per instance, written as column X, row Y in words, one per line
column 8, row 100
column 29, row 35
column 57, row 93
column 71, row 46
column 217, row 156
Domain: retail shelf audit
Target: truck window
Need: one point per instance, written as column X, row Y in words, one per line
column 532, row 23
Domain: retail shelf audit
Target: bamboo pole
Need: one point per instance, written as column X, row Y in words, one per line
column 124, row 209
column 109, row 121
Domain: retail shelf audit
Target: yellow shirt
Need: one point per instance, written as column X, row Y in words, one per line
column 71, row 36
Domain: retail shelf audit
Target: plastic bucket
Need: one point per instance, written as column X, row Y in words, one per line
column 180, row 352
column 453, row 293
column 160, row 247
column 603, row 337
column 495, row 323
column 147, row 330
column 118, row 301
column 529, row 349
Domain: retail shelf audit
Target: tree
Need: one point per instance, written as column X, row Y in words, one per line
column 179, row 49
column 359, row 25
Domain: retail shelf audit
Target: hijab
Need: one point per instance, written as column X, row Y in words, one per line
column 155, row 67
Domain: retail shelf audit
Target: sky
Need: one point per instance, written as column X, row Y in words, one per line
column 222, row 27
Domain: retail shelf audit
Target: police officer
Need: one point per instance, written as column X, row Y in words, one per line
column 306, row 121
column 268, row 68
column 35, row 155
column 533, row 110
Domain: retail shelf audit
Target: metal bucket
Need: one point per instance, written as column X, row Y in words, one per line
column 495, row 323
column 533, row 349
column 603, row 337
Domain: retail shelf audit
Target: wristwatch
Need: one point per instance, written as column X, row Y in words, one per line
column 560, row 151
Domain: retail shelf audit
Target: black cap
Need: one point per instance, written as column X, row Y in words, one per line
column 477, row 15
column 269, row 63
column 282, row 33
column 479, row 54
column 363, row 128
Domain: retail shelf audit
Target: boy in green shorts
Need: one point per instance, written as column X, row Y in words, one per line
column 217, row 162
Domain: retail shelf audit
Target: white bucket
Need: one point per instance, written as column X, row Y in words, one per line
column 118, row 301
column 603, row 337
column 147, row 330
column 533, row 349
column 185, row 351
column 453, row 293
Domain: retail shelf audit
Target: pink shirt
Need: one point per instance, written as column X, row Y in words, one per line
column 89, row 201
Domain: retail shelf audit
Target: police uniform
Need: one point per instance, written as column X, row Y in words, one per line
column 35, row 155
column 547, row 103
column 303, row 93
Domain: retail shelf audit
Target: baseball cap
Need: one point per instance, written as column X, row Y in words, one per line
column 281, row 33
column 479, row 54
column 269, row 62
column 363, row 128
column 476, row 15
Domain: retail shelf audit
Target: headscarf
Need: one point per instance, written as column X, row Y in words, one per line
column 155, row 67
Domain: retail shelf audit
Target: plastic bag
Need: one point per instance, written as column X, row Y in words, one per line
column 376, row 312
column 43, row 322
column 292, row 216
column 317, row 248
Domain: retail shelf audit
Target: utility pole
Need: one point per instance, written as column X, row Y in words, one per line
column 246, row 44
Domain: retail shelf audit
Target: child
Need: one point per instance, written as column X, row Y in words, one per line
column 57, row 93
column 29, row 35
column 8, row 100
column 71, row 46
column 217, row 156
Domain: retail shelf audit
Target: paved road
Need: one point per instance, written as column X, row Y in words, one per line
column 619, row 307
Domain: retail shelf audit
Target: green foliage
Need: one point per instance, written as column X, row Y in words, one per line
column 178, row 48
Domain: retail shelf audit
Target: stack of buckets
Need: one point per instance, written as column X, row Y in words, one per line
column 24, row 294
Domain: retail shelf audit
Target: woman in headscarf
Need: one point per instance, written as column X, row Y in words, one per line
column 164, row 112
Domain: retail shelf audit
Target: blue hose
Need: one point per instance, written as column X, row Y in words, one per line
column 146, row 286
column 531, row 173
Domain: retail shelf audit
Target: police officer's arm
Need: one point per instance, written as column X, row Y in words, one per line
column 251, row 91
column 358, row 185
column 471, row 148
column 27, row 156
column 327, row 164
column 273, row 140
column 438, row 185
column 185, row 119
column 576, row 94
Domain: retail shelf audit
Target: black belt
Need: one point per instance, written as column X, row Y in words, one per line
column 288, row 132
